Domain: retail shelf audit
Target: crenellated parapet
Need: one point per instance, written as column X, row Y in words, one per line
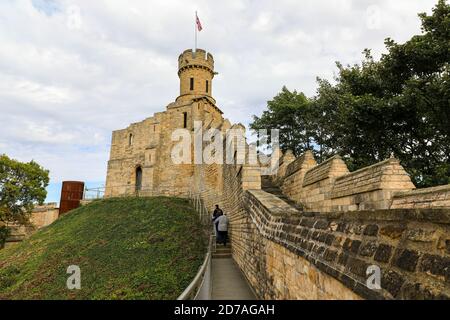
column 198, row 59
column 196, row 73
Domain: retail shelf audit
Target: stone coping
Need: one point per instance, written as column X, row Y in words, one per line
column 296, row 165
column 433, row 215
column 326, row 166
column 404, row 194
column 379, row 164
column 272, row 203
column 278, row 207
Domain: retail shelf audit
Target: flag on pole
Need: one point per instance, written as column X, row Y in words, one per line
column 199, row 24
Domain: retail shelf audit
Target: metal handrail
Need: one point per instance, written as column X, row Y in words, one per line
column 201, row 287
column 193, row 291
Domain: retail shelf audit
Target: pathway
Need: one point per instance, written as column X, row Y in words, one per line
column 228, row 282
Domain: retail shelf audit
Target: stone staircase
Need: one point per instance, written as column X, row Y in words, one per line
column 222, row 252
column 268, row 186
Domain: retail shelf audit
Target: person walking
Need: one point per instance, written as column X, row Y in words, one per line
column 217, row 213
column 222, row 228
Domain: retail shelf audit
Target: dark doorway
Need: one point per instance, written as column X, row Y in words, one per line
column 138, row 179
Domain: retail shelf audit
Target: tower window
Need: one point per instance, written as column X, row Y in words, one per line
column 192, row 84
column 185, row 120
column 207, row 86
column 130, row 139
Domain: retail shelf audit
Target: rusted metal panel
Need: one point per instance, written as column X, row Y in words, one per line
column 71, row 195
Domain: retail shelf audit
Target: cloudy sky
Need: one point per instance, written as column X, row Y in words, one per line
column 71, row 71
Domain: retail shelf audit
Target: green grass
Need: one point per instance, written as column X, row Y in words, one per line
column 127, row 248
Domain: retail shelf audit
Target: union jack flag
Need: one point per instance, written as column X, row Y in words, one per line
column 199, row 24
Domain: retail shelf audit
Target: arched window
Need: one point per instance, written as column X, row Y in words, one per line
column 138, row 178
column 130, row 139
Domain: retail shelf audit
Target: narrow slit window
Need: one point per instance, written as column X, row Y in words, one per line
column 192, row 84
column 185, row 120
column 130, row 139
column 207, row 86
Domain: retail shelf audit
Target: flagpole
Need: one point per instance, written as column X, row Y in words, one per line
column 195, row 25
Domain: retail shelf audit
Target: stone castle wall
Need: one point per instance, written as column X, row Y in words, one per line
column 147, row 146
column 150, row 149
column 330, row 186
column 292, row 174
column 437, row 197
column 288, row 254
column 41, row 216
column 44, row 215
column 323, row 252
column 411, row 247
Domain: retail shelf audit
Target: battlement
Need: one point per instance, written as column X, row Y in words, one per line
column 198, row 59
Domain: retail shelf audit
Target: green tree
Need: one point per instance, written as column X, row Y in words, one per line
column 398, row 105
column 287, row 112
column 22, row 185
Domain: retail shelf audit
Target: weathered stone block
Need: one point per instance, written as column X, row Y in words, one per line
column 392, row 282
column 383, row 253
column 393, row 231
column 436, row 265
column 420, row 235
column 368, row 249
column 407, row 259
column 371, row 230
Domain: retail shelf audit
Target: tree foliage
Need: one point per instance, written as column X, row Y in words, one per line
column 398, row 105
column 287, row 112
column 22, row 185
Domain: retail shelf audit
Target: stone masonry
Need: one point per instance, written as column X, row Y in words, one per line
column 349, row 221
column 140, row 157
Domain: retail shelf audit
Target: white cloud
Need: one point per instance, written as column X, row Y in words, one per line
column 36, row 93
column 71, row 71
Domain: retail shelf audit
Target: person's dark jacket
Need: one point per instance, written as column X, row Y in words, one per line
column 217, row 213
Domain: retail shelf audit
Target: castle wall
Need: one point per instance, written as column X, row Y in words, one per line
column 437, row 197
column 322, row 253
column 44, row 215
column 287, row 254
column 371, row 187
column 294, row 174
column 330, row 186
column 148, row 145
column 281, row 173
column 135, row 146
column 41, row 216
column 173, row 179
column 326, row 256
column 151, row 150
column 318, row 184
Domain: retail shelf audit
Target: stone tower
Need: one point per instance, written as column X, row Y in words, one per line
column 196, row 72
column 140, row 157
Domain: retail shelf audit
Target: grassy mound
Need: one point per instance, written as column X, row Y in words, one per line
column 127, row 248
